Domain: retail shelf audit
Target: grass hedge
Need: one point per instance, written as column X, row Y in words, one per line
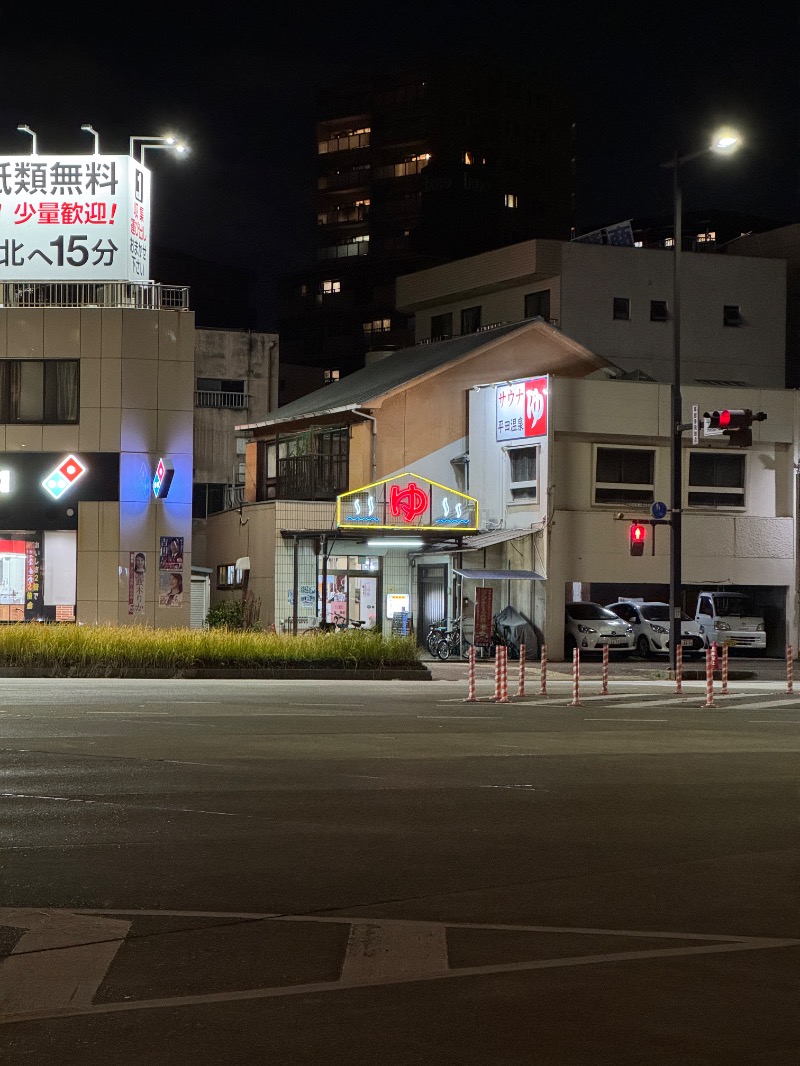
column 74, row 648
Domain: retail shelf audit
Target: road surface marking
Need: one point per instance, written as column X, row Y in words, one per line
column 60, row 962
column 634, row 721
column 58, row 982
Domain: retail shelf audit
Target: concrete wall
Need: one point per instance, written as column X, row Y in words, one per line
column 238, row 355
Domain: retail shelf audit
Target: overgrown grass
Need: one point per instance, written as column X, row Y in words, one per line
column 66, row 649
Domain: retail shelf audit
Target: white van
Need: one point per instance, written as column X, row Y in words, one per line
column 731, row 618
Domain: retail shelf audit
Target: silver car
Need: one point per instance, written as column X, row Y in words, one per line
column 590, row 627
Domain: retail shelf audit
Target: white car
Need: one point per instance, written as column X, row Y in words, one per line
column 650, row 623
column 590, row 627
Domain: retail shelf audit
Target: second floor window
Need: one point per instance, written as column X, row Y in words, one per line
column 537, row 304
column 442, row 326
column 39, row 390
column 622, row 308
column 624, row 476
column 716, row 479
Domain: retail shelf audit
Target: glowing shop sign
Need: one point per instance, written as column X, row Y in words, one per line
column 162, row 480
column 64, row 476
column 5, row 481
column 73, row 218
column 406, row 501
column 521, row 409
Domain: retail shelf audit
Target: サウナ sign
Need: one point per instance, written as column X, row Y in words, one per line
column 521, row 409
column 74, row 218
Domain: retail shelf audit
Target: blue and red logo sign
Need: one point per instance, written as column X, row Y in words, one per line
column 64, row 476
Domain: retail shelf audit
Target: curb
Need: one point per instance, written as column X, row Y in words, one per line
column 278, row 674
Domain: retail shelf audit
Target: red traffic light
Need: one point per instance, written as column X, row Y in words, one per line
column 637, row 538
column 724, row 419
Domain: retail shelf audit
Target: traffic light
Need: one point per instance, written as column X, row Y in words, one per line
column 637, row 534
column 736, row 425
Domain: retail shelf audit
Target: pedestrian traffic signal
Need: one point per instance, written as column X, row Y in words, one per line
column 637, row 538
column 736, row 425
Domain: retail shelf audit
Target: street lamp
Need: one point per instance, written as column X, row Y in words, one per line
column 153, row 141
column 178, row 149
column 96, row 136
column 724, row 142
column 31, row 134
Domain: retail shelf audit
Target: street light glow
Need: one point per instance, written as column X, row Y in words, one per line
column 726, row 141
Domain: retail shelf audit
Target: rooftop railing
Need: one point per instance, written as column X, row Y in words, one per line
column 151, row 295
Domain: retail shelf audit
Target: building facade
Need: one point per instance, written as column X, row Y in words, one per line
column 412, row 170
column 618, row 302
column 93, row 399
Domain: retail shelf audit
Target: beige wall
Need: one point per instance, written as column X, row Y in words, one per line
column 136, row 398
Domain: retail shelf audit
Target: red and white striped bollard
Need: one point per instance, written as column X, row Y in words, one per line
column 678, row 669
column 503, row 697
column 471, row 676
column 789, row 670
column 543, row 671
column 521, row 683
column 724, row 689
column 576, row 678
column 709, row 678
column 604, row 674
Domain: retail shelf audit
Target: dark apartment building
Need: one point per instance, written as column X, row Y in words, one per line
column 415, row 170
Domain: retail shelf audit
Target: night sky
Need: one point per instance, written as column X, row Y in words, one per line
column 648, row 78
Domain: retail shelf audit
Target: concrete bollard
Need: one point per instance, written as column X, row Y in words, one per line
column 576, row 678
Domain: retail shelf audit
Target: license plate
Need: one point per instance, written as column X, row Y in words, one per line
column 687, row 643
column 617, row 640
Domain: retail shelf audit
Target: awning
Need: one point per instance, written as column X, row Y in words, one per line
column 476, row 541
column 499, row 575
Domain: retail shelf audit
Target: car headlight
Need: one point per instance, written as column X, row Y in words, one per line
column 723, row 625
column 585, row 629
column 629, row 631
column 658, row 629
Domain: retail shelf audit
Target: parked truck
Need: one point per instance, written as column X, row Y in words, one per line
column 731, row 618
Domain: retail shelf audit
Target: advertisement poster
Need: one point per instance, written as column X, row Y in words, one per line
column 33, row 579
column 483, row 617
column 78, row 218
column 170, row 588
column 136, row 572
column 171, row 554
column 521, row 409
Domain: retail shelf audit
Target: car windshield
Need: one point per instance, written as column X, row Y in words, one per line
column 588, row 612
column 741, row 606
column 656, row 612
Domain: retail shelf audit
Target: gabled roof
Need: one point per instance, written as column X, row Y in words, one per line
column 373, row 383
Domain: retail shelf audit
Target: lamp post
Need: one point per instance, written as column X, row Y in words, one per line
column 178, row 149
column 725, row 142
column 26, row 129
column 89, row 129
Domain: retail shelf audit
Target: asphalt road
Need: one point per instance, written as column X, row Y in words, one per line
column 374, row 873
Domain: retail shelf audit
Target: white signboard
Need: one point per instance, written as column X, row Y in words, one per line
column 74, row 218
column 521, row 409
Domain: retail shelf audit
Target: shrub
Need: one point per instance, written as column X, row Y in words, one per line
column 227, row 614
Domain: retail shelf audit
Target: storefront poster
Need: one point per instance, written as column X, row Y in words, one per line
column 170, row 588
column 483, row 617
column 136, row 577
column 33, row 579
column 171, row 553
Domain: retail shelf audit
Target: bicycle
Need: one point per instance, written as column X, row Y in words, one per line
column 436, row 634
column 450, row 644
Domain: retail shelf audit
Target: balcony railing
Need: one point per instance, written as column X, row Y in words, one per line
column 151, row 295
column 312, row 477
column 236, row 401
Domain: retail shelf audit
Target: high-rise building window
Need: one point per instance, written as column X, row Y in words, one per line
column 330, row 287
column 511, row 200
column 330, row 375
column 378, row 325
column 344, row 140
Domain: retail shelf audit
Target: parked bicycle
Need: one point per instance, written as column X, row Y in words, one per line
column 451, row 642
column 436, row 634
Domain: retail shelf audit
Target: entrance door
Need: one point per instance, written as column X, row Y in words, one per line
column 431, row 588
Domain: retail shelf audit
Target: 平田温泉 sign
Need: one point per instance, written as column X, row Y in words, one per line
column 74, row 218
column 521, row 409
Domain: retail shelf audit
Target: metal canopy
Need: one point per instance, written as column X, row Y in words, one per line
column 499, row 575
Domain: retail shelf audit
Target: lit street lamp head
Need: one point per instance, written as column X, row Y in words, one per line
column 726, row 141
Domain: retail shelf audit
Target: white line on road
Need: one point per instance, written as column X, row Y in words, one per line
column 631, row 721
column 59, row 963
column 377, row 952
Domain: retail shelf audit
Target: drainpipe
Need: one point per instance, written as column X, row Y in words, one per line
column 295, row 582
column 374, row 422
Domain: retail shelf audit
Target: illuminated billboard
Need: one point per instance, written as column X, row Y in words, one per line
column 74, row 218
column 406, row 501
column 521, row 409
